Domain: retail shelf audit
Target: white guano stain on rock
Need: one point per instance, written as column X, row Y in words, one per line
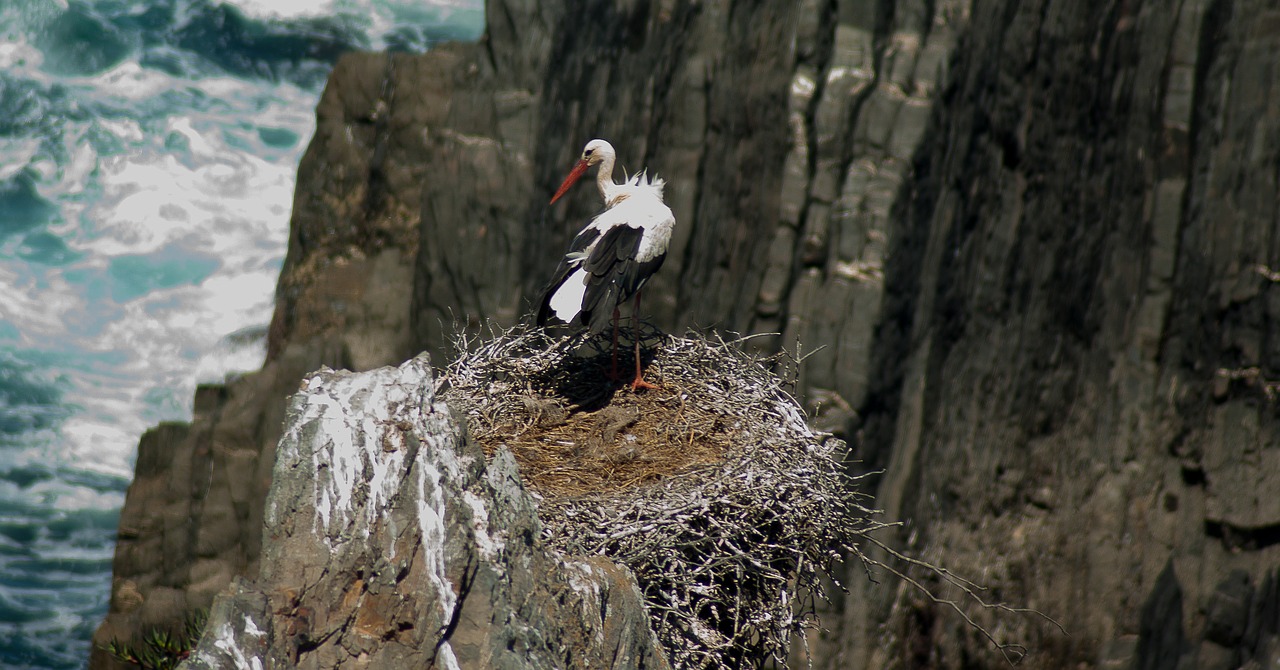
column 431, row 522
column 446, row 658
column 490, row 546
column 251, row 628
column 358, row 426
column 362, row 417
column 586, row 580
column 363, row 428
column 225, row 641
column 583, row 578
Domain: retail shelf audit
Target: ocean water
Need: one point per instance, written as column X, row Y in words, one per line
column 147, row 158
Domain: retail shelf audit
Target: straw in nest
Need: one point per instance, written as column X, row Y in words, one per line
column 712, row 489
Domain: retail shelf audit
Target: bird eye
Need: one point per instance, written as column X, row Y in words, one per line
column 587, row 153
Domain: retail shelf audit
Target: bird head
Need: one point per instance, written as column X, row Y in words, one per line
column 594, row 153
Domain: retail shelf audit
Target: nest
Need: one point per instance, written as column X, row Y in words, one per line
column 712, row 489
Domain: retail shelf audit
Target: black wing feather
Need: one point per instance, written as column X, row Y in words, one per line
column 564, row 269
column 615, row 275
column 617, row 245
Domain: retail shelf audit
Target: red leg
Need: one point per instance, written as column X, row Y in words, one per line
column 639, row 382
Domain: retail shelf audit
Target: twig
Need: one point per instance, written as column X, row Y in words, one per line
column 969, row 588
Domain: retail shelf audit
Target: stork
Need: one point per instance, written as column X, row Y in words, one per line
column 614, row 255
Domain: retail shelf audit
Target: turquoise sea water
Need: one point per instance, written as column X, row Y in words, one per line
column 147, row 159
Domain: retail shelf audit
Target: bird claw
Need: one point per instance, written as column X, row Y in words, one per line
column 639, row 383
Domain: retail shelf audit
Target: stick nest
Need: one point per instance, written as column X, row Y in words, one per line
column 712, row 489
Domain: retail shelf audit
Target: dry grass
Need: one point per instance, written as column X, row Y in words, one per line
column 635, row 440
column 574, row 432
column 712, row 489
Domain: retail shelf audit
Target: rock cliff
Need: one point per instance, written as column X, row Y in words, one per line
column 1036, row 242
column 1073, row 369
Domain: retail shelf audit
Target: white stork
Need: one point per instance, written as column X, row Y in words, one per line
column 612, row 258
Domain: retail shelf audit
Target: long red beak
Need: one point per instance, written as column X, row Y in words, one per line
column 577, row 171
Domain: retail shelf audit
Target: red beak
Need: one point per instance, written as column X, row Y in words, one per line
column 577, row 171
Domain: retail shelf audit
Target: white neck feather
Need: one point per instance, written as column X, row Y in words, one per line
column 604, row 174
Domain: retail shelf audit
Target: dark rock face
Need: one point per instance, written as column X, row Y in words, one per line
column 1073, row 368
column 1037, row 241
column 694, row 91
column 388, row 543
column 784, row 131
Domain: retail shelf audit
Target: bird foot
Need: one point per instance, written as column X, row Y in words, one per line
column 639, row 383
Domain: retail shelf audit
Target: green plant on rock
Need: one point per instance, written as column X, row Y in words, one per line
column 161, row 649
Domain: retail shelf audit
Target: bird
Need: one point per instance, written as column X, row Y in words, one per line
column 610, row 260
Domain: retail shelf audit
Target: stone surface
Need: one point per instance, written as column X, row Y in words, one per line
column 389, row 543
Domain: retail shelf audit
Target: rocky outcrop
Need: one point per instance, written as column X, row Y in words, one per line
column 390, row 543
column 1035, row 242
